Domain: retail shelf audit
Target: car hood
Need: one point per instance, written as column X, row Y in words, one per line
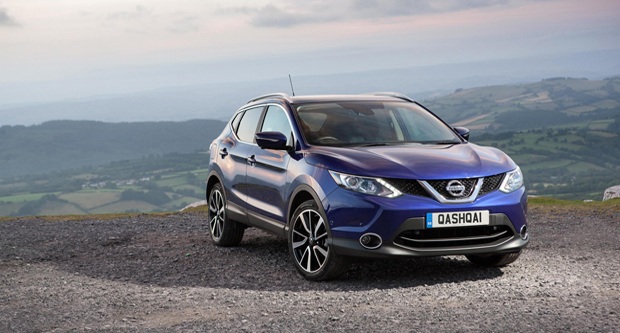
column 424, row 162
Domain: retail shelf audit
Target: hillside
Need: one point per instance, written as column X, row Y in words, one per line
column 62, row 145
column 564, row 133
column 558, row 102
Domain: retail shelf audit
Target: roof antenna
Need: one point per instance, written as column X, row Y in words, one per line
column 291, row 81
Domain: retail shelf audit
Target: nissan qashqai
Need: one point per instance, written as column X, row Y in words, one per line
column 368, row 176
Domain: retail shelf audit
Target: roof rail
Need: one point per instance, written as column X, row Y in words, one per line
column 393, row 94
column 281, row 95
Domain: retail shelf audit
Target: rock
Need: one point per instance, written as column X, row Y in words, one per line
column 612, row 193
column 196, row 204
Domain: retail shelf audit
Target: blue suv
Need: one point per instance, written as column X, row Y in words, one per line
column 370, row 176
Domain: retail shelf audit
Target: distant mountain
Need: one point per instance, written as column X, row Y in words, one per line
column 61, row 145
column 218, row 100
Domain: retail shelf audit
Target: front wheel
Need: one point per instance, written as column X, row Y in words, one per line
column 224, row 232
column 494, row 260
column 310, row 246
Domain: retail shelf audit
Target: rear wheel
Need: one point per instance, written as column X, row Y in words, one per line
column 494, row 260
column 310, row 246
column 224, row 232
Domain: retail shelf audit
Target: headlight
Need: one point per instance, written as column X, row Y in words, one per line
column 366, row 185
column 512, row 182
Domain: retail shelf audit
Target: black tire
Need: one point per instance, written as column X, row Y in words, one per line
column 310, row 246
column 223, row 231
column 494, row 260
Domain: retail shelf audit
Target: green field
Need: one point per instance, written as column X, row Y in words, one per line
column 90, row 199
column 156, row 184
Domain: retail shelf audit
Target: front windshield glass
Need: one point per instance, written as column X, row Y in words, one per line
column 371, row 123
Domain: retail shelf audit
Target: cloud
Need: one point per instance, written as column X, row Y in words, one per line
column 289, row 13
column 6, row 20
column 143, row 20
column 184, row 23
column 283, row 15
column 137, row 13
column 272, row 16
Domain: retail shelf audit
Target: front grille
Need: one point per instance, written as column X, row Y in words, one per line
column 413, row 187
column 409, row 186
column 453, row 237
column 491, row 183
column 441, row 187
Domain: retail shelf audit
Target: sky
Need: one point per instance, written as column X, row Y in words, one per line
column 76, row 48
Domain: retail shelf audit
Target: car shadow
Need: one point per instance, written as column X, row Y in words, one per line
column 172, row 254
column 362, row 275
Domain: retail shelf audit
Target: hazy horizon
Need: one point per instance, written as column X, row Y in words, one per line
column 69, row 50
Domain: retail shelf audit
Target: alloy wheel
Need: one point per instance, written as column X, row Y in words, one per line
column 309, row 240
column 217, row 214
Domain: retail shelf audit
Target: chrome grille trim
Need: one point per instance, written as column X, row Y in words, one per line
column 458, row 248
column 456, row 239
column 445, row 200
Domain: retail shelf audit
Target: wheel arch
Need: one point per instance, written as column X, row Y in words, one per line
column 334, row 265
column 302, row 194
column 212, row 179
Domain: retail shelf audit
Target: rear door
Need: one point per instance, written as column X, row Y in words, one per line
column 233, row 152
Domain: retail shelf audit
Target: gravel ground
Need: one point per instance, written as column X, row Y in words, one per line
column 151, row 273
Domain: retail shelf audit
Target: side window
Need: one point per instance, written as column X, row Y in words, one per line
column 248, row 124
column 235, row 122
column 276, row 121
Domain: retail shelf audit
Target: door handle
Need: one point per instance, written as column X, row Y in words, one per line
column 251, row 160
column 223, row 152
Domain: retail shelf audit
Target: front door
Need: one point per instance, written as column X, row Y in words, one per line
column 266, row 175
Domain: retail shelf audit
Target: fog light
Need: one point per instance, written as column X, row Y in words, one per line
column 523, row 233
column 371, row 241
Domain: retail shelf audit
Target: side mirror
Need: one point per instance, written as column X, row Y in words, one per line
column 463, row 132
column 271, row 140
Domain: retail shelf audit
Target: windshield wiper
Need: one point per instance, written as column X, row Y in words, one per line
column 374, row 144
column 447, row 142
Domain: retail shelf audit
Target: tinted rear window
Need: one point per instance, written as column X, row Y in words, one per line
column 248, row 124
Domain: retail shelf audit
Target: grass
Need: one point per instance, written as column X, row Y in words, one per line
column 25, row 197
column 183, row 201
column 196, row 189
column 584, row 167
column 200, row 209
column 91, row 199
column 172, row 180
column 91, row 217
column 6, row 209
column 60, row 208
column 550, row 203
column 124, row 206
column 549, row 163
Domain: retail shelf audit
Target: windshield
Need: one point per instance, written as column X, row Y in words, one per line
column 371, row 123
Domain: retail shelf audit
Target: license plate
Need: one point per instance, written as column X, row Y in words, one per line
column 457, row 219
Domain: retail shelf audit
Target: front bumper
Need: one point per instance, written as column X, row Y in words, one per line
column 504, row 239
column 400, row 223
